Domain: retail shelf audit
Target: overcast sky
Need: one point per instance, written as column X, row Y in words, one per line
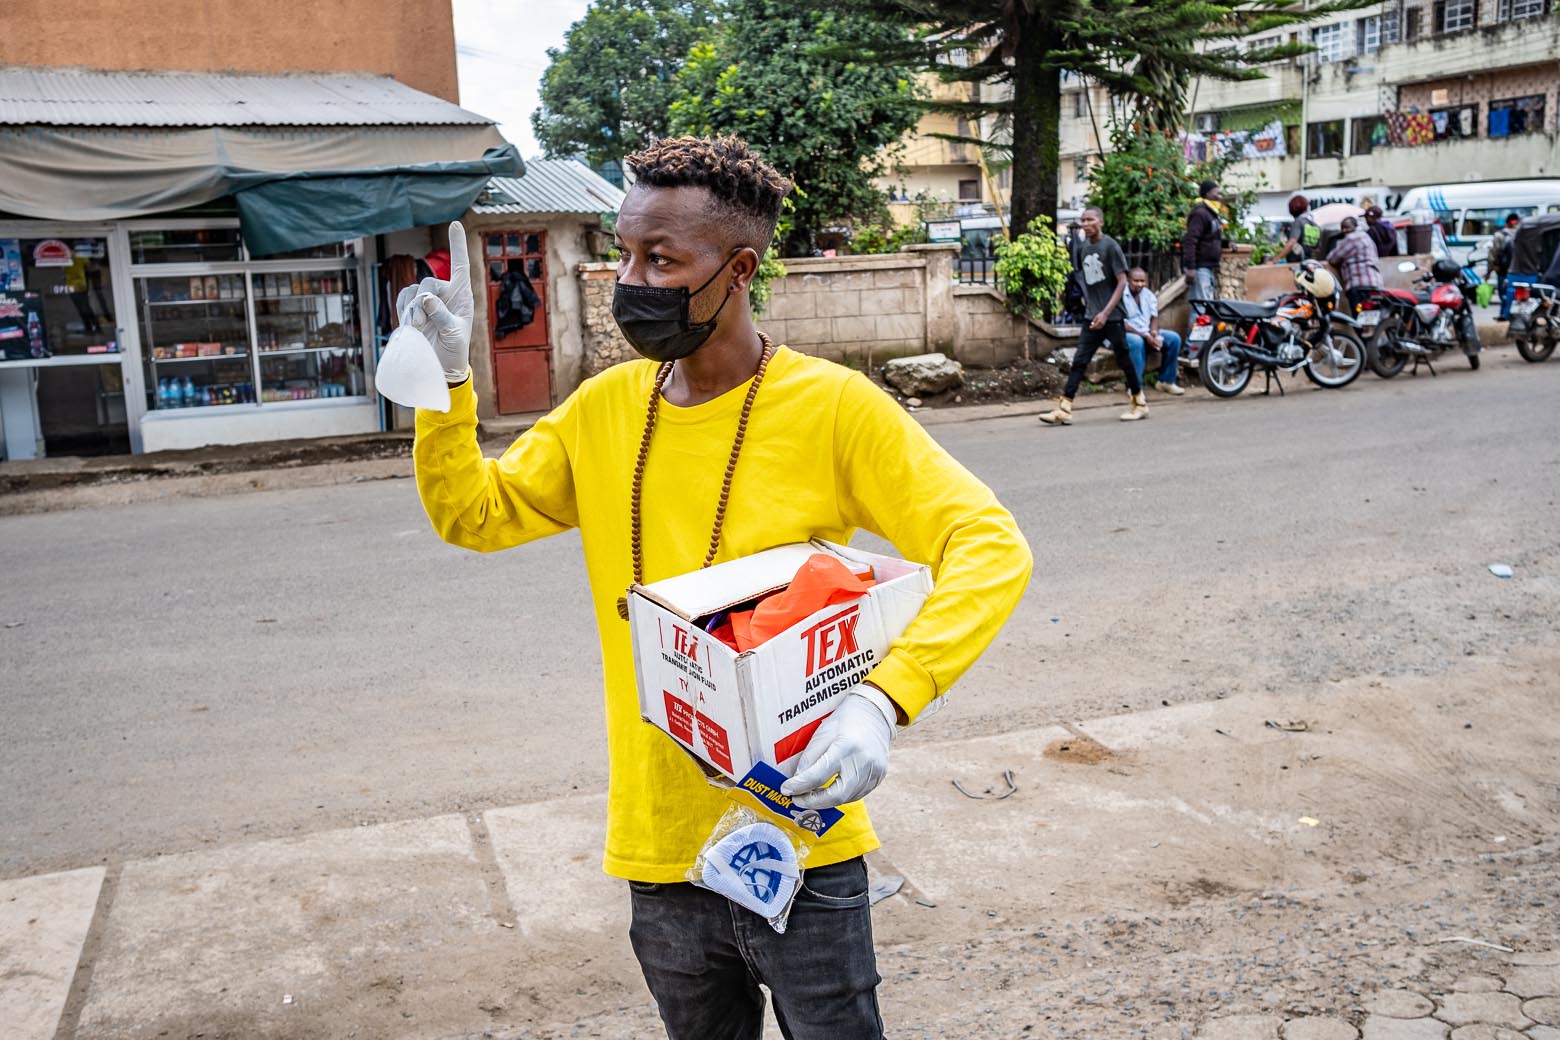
column 501, row 51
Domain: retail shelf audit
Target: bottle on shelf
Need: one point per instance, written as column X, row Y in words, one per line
column 187, row 393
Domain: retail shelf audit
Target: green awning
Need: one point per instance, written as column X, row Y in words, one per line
column 295, row 186
column 298, row 210
column 1258, row 116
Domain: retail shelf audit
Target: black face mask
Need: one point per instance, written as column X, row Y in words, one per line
column 655, row 320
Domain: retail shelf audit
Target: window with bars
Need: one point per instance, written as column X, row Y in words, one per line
column 1366, row 134
column 1367, row 35
column 1513, row 116
column 1329, row 42
column 1516, row 10
column 1390, row 25
column 1455, row 15
column 1324, row 140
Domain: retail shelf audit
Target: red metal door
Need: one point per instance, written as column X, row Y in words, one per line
column 522, row 357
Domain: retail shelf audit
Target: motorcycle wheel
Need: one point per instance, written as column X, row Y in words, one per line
column 1221, row 372
column 1385, row 359
column 1468, row 333
column 1539, row 343
column 1338, row 366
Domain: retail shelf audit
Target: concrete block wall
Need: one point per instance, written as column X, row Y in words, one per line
column 988, row 334
column 857, row 310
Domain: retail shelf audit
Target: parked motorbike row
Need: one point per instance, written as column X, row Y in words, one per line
column 1315, row 330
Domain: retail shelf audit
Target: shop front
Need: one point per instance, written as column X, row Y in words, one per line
column 216, row 286
column 157, row 335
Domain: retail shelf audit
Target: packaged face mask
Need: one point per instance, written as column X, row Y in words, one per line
column 409, row 372
column 753, row 863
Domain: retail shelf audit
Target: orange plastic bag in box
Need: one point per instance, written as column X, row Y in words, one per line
column 820, row 582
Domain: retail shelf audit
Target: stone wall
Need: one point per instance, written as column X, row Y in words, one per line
column 604, row 344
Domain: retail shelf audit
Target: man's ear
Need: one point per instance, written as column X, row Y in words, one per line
column 743, row 266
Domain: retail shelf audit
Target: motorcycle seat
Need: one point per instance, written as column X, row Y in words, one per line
column 1244, row 308
column 1402, row 294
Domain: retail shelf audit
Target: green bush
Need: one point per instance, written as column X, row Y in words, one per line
column 1033, row 270
column 759, row 288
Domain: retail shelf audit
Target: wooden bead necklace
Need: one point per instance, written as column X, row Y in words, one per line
column 651, row 409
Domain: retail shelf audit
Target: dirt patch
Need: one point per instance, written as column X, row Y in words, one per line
column 1082, row 750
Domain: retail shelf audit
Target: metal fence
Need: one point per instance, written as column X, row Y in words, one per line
column 976, row 270
column 1163, row 265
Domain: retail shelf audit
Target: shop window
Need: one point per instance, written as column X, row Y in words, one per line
column 56, row 298
column 196, row 246
column 278, row 329
column 1366, row 134
column 969, row 191
column 1513, row 116
column 1367, row 35
column 1460, row 121
column 1329, row 42
column 1516, row 10
column 1455, row 15
column 1324, row 140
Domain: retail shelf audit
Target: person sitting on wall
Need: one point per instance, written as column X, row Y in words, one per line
column 1142, row 307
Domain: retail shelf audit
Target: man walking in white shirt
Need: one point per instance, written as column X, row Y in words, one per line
column 1142, row 308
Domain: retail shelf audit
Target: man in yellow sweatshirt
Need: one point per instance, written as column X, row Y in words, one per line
column 722, row 444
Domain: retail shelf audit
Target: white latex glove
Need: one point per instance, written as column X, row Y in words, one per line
column 442, row 310
column 853, row 743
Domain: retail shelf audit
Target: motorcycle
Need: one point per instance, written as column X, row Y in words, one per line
column 1425, row 324
column 1535, row 320
column 1290, row 334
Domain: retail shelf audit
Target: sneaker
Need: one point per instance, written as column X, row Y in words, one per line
column 1170, row 388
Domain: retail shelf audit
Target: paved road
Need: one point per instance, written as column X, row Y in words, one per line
column 199, row 672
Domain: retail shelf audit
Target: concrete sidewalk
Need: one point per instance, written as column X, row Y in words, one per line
column 1165, row 828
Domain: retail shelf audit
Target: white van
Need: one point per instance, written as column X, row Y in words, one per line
column 1471, row 213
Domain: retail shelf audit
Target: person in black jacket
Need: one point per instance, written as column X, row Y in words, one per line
column 1381, row 232
column 1202, row 242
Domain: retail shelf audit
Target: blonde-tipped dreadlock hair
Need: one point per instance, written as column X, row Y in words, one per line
column 747, row 189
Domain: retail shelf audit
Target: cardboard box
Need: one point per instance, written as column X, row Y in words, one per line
column 733, row 710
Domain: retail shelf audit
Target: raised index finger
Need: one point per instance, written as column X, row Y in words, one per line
column 460, row 263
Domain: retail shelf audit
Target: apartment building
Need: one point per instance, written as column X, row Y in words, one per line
column 931, row 168
column 1400, row 94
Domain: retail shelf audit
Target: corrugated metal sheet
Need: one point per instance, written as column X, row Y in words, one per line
column 78, row 97
column 550, row 186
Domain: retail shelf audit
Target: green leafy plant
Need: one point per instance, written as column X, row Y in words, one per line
column 1143, row 187
column 881, row 238
column 1033, row 270
column 760, row 289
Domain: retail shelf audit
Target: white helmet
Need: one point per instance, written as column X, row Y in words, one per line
column 1315, row 279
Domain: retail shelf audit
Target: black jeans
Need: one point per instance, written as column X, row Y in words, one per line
column 703, row 958
column 1089, row 340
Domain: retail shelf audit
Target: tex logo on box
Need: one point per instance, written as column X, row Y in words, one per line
column 763, row 783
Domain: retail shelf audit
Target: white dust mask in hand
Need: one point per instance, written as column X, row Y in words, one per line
column 755, row 867
column 409, row 372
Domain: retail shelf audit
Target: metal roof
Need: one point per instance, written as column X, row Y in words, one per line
column 550, row 186
column 86, row 97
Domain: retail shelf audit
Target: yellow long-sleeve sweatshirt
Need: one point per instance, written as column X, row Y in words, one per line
column 826, row 453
